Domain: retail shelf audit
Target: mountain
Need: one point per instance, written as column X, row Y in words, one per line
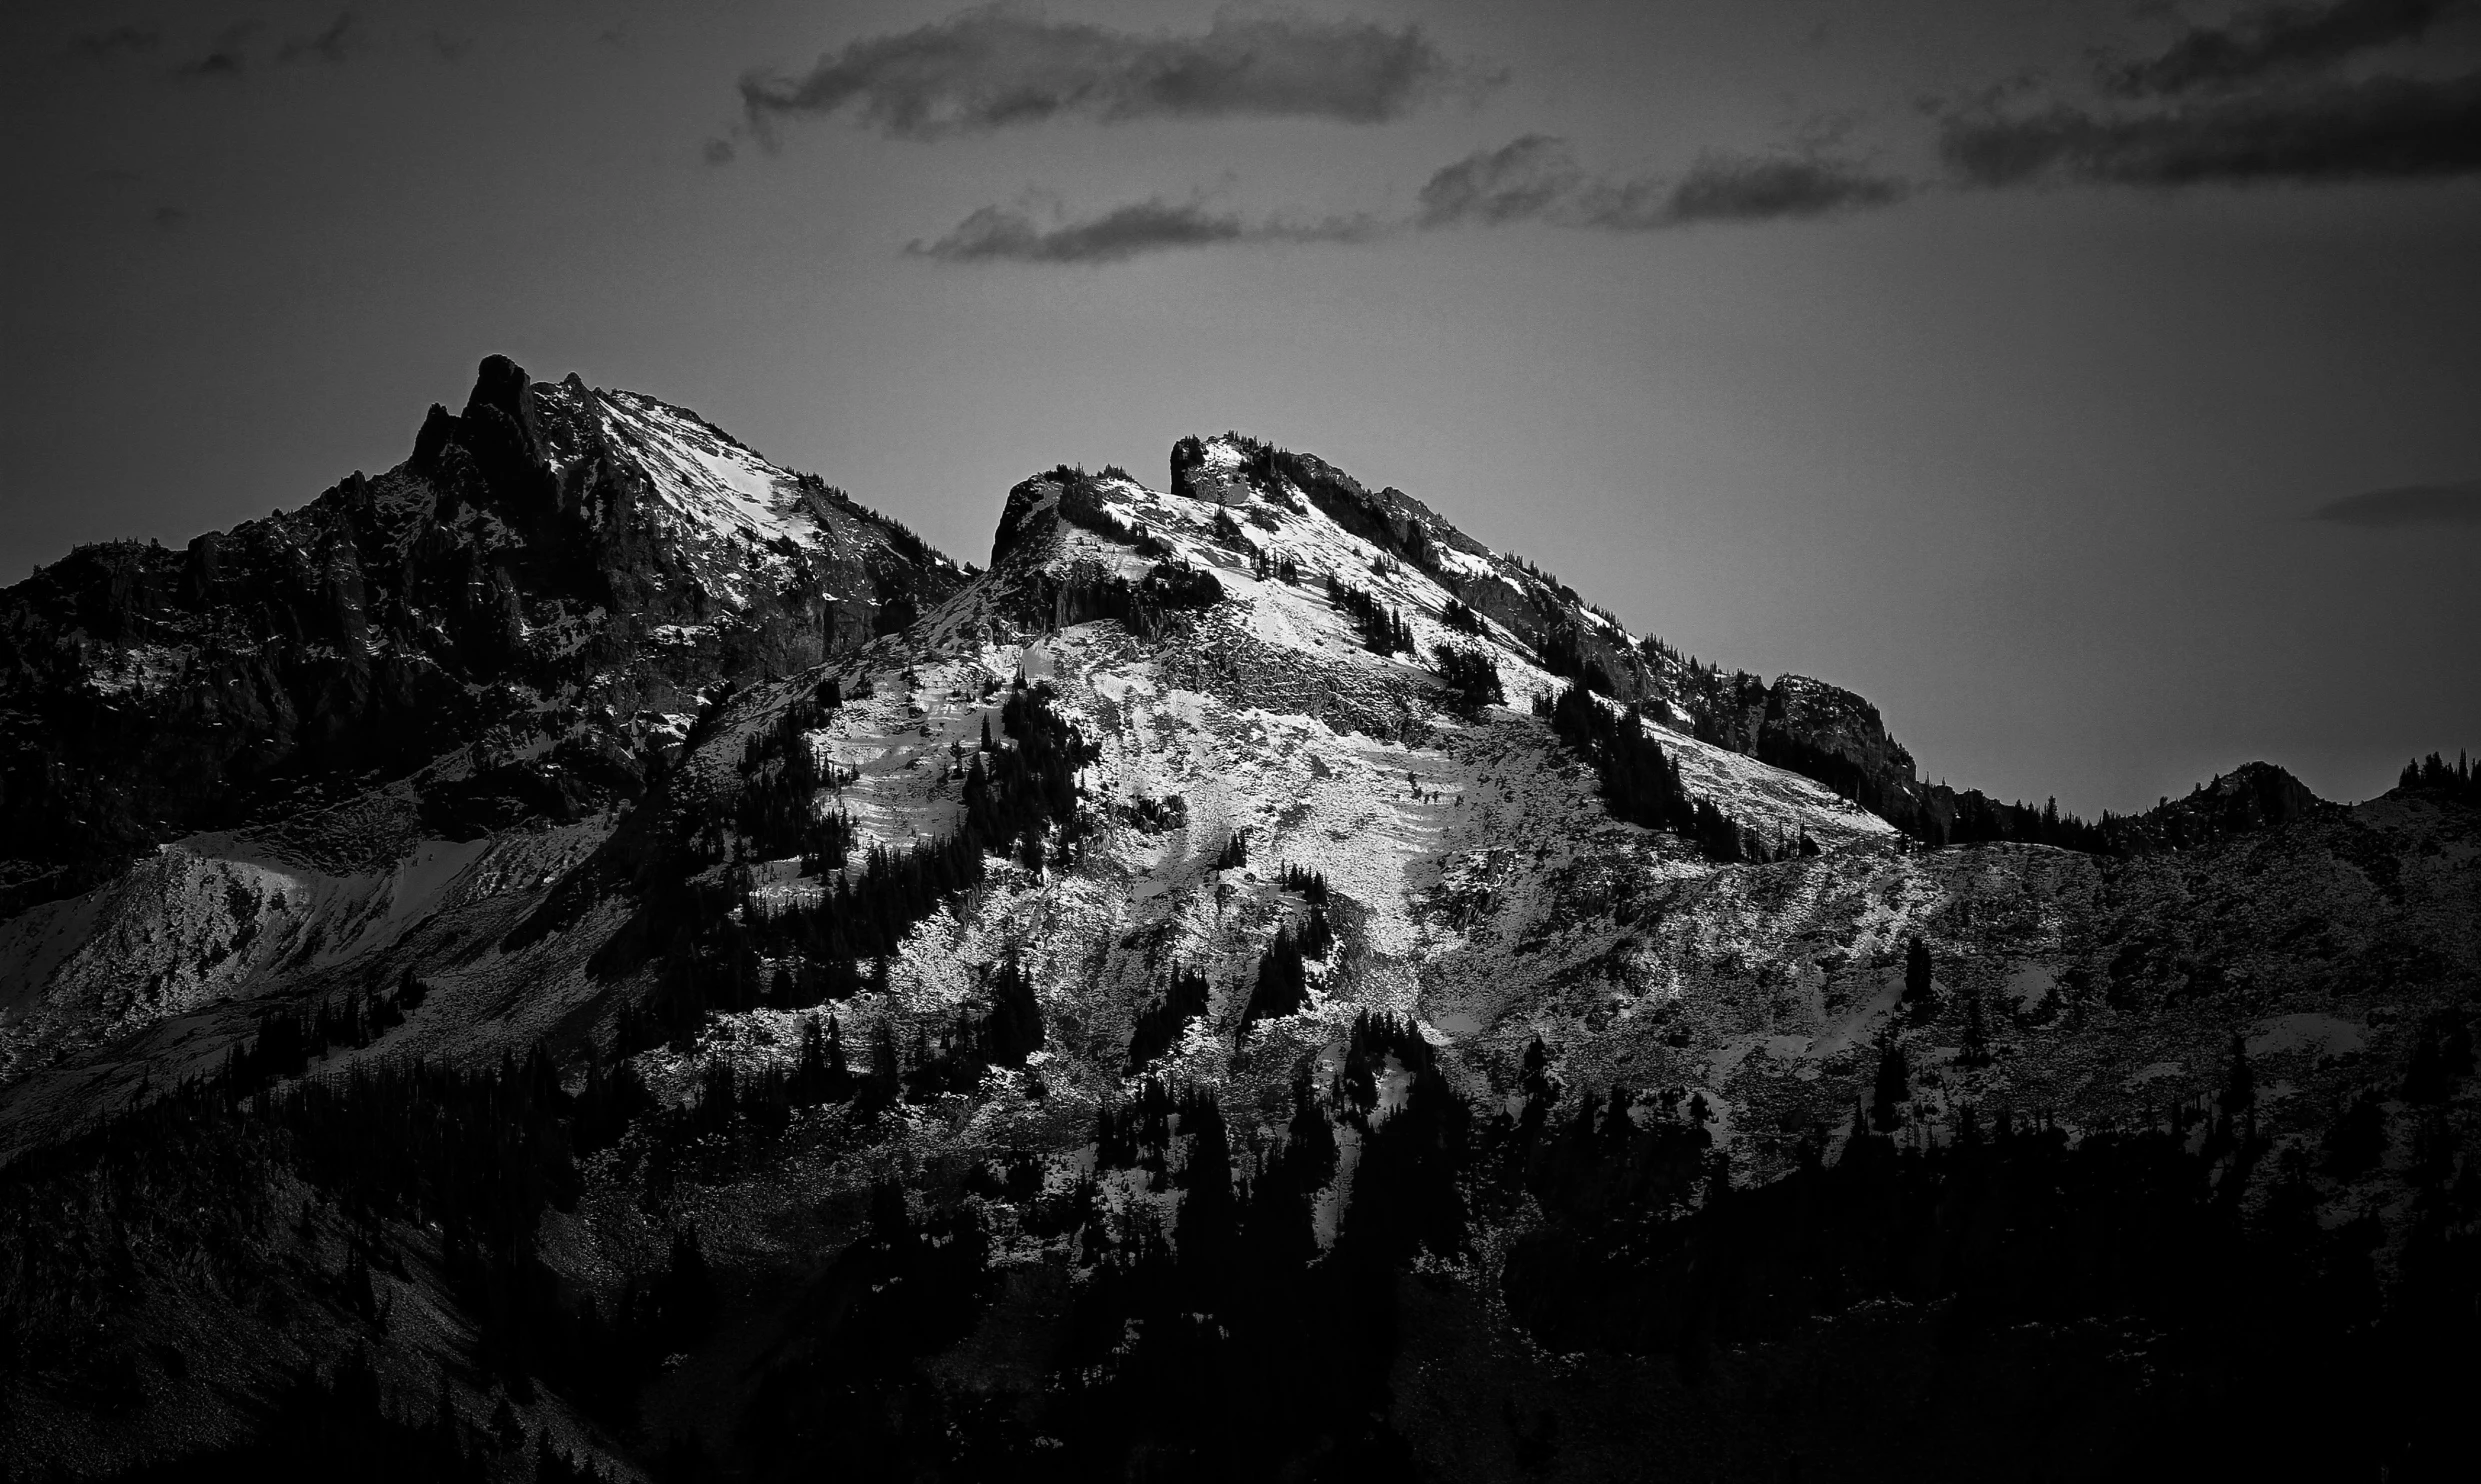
column 592, row 951
column 551, row 573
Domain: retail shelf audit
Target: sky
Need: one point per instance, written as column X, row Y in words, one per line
column 2095, row 387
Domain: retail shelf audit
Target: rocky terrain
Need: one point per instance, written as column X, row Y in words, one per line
column 592, row 952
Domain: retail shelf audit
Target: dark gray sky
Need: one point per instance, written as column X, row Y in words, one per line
column 2095, row 387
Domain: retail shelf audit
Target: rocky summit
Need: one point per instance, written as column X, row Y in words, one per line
column 591, row 954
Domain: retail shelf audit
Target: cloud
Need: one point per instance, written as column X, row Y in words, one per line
column 992, row 69
column 1522, row 180
column 2274, row 39
column 718, row 151
column 327, row 45
column 2382, row 128
column 224, row 59
column 170, row 218
column 1535, row 178
column 1000, row 234
column 1769, row 188
column 2413, row 505
column 118, row 42
column 448, row 47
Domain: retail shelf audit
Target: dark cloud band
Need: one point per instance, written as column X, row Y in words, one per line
column 2384, row 128
column 998, row 234
column 991, row 69
column 2275, row 40
column 2412, row 505
column 1531, row 179
column 1535, row 178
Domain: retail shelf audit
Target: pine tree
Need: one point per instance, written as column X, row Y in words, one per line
column 2240, row 1083
column 1975, row 1051
column 2358, row 1138
column 1012, row 1030
column 1919, row 991
column 881, row 1083
column 1283, row 981
column 505, row 1427
column 1204, row 1227
column 2441, row 1056
column 1893, row 1087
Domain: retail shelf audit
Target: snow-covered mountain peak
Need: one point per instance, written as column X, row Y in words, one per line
column 740, row 523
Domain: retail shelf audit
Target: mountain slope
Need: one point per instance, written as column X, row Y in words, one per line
column 517, row 624
column 1253, row 953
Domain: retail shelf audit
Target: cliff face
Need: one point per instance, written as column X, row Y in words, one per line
column 552, row 569
column 777, row 990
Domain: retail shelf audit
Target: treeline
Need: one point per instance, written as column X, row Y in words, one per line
column 2434, row 774
column 1602, row 1163
column 1002, row 1026
column 1184, row 1330
column 1472, row 679
column 1280, row 988
column 1641, row 784
column 1311, row 885
column 2040, row 1257
column 287, row 1040
column 1563, row 654
column 1160, row 1025
column 343, row 1425
column 1087, row 593
column 180, row 1186
column 1181, row 1342
column 1022, row 799
column 781, row 780
column 1282, row 984
column 1080, row 504
column 1284, row 568
column 1382, row 628
column 1726, row 709
column 477, row 1157
column 1032, row 787
column 1980, row 819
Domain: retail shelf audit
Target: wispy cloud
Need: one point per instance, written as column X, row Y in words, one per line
column 2264, row 98
column 2274, row 40
column 2381, row 128
column 224, row 58
column 1537, row 178
column 327, row 45
column 1723, row 188
column 1523, row 180
column 1003, row 234
column 993, row 68
column 2412, row 505
column 120, row 41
